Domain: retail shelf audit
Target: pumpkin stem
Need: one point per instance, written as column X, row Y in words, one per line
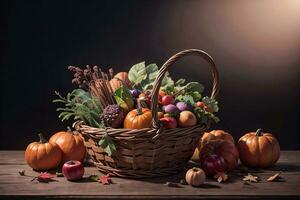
column 139, row 111
column 42, row 139
column 195, row 169
column 258, row 132
column 69, row 129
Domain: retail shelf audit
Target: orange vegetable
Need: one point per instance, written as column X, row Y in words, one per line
column 138, row 119
column 71, row 145
column 258, row 149
column 43, row 155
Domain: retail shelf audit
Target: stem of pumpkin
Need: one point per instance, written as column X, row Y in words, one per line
column 139, row 111
column 258, row 132
column 42, row 139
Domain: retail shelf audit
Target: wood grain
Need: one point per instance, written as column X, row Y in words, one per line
column 14, row 186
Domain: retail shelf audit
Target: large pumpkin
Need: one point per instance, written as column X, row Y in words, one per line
column 258, row 149
column 71, row 145
column 138, row 119
column 208, row 136
column 43, row 155
column 223, row 148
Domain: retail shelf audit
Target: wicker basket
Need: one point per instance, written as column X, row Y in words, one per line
column 152, row 151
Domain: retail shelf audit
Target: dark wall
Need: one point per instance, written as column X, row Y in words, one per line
column 256, row 45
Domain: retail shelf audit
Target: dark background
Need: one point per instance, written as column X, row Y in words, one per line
column 256, row 45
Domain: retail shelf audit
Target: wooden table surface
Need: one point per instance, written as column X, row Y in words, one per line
column 12, row 185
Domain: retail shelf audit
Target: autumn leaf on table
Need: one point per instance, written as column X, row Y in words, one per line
column 94, row 178
column 275, row 177
column 59, row 174
column 45, row 177
column 105, row 179
column 221, row 177
column 250, row 178
column 22, row 172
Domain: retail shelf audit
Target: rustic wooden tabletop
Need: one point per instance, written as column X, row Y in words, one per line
column 14, row 186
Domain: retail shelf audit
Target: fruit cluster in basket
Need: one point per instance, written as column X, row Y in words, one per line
column 124, row 100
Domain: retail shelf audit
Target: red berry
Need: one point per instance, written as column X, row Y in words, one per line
column 166, row 100
column 200, row 104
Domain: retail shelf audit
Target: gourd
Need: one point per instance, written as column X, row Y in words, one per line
column 258, row 149
column 43, row 155
column 195, row 176
column 138, row 118
column 120, row 79
column 223, row 148
column 71, row 145
column 208, row 136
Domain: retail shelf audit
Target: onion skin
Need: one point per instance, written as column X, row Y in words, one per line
column 213, row 164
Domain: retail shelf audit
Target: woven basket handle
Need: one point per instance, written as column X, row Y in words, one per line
column 164, row 69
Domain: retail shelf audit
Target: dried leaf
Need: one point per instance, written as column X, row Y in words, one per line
column 105, row 179
column 22, row 172
column 250, row 178
column 183, row 182
column 221, row 177
column 94, row 178
column 59, row 174
column 274, row 177
column 172, row 184
column 45, row 177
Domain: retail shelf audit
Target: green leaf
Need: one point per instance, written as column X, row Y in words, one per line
column 137, row 73
column 94, row 178
column 186, row 98
column 211, row 103
column 192, row 87
column 180, row 82
column 107, row 144
column 124, row 99
column 196, row 95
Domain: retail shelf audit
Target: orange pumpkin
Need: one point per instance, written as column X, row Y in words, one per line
column 115, row 84
column 43, row 155
column 138, row 119
column 208, row 136
column 123, row 76
column 258, row 149
column 222, row 148
column 71, row 144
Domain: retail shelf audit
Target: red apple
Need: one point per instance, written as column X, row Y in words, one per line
column 169, row 122
column 213, row 164
column 166, row 100
column 73, row 170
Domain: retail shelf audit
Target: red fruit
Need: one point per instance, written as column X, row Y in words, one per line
column 166, row 100
column 169, row 122
column 73, row 170
column 213, row 164
column 200, row 104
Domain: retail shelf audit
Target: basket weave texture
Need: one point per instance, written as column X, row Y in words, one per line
column 151, row 151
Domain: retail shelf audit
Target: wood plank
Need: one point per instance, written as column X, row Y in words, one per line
column 14, row 185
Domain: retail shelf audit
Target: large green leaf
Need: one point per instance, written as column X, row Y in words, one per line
column 137, row 73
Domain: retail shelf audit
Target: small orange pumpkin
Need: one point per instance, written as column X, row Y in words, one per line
column 208, row 136
column 223, row 148
column 258, row 149
column 71, row 144
column 123, row 76
column 115, row 84
column 43, row 155
column 138, row 118
column 195, row 176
